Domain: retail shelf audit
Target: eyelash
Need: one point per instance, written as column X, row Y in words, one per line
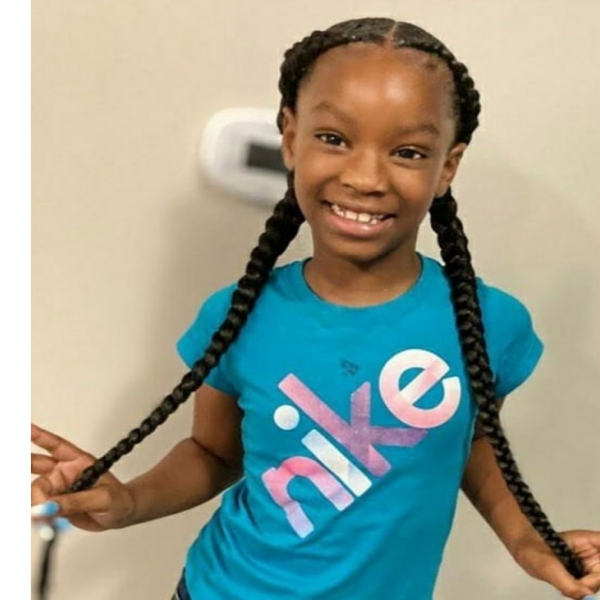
column 333, row 139
column 324, row 137
column 413, row 151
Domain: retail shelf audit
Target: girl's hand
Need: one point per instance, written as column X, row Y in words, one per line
column 107, row 505
column 539, row 561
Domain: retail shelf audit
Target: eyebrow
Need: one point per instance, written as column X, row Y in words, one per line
column 326, row 106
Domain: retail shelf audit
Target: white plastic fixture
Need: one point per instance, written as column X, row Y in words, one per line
column 240, row 152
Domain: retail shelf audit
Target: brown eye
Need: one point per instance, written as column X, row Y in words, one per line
column 409, row 154
column 331, row 139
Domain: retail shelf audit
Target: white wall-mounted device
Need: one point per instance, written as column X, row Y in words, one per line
column 240, row 152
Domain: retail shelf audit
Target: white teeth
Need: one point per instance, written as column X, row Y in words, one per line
column 366, row 218
column 337, row 210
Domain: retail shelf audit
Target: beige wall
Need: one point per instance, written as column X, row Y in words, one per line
column 128, row 238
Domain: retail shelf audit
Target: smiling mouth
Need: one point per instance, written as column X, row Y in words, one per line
column 365, row 218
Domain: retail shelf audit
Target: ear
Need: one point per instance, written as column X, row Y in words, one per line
column 288, row 139
column 450, row 168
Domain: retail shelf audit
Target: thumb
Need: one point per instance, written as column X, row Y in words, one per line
column 96, row 500
column 592, row 581
column 567, row 585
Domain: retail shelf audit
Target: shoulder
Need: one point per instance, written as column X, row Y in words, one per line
column 494, row 302
column 501, row 308
column 209, row 317
column 217, row 302
column 513, row 343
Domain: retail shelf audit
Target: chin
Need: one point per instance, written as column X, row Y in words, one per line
column 361, row 255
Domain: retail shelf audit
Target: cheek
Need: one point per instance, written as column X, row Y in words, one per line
column 416, row 188
column 310, row 178
column 304, row 190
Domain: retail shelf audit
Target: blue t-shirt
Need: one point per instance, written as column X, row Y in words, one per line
column 357, row 425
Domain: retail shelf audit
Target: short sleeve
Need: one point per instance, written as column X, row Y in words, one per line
column 194, row 342
column 514, row 346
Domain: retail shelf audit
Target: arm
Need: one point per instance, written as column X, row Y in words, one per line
column 196, row 470
column 199, row 467
column 485, row 487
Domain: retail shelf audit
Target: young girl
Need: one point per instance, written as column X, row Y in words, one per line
column 341, row 402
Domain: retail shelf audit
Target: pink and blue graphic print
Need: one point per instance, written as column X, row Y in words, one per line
column 338, row 478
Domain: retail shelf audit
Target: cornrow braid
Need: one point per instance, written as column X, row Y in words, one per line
column 461, row 277
column 301, row 57
column 466, row 102
column 280, row 229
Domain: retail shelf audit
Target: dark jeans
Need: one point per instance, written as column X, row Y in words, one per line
column 181, row 592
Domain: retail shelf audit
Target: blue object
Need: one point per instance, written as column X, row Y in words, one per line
column 47, row 509
column 357, row 424
column 61, row 524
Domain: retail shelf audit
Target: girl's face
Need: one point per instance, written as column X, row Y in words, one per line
column 371, row 145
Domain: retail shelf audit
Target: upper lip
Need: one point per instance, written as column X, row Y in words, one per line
column 361, row 209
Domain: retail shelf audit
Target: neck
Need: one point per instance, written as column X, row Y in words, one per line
column 346, row 283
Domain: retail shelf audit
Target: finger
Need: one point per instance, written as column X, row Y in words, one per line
column 41, row 490
column 42, row 464
column 592, row 581
column 590, row 557
column 60, row 448
column 566, row 584
column 60, row 475
column 592, row 565
column 593, row 537
column 582, row 538
column 96, row 500
column 45, row 511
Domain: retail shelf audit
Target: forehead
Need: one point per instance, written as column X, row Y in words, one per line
column 379, row 79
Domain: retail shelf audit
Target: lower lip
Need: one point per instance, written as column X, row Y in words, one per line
column 355, row 228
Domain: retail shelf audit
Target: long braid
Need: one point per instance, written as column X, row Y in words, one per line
column 280, row 229
column 452, row 240
column 461, row 276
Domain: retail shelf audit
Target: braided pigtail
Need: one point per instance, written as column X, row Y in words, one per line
column 461, row 277
column 301, row 57
column 281, row 228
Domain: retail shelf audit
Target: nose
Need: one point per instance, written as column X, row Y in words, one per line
column 365, row 173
